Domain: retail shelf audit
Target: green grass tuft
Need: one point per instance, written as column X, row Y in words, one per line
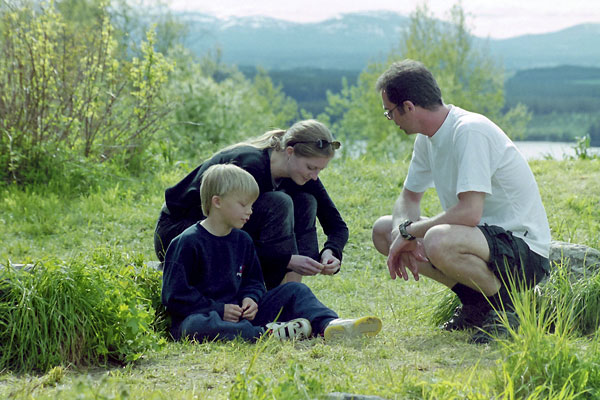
column 84, row 312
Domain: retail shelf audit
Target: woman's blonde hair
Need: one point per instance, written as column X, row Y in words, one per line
column 224, row 179
column 304, row 136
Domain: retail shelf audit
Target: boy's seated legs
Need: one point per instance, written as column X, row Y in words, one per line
column 210, row 326
column 296, row 300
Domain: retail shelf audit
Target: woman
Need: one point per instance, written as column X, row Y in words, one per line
column 286, row 165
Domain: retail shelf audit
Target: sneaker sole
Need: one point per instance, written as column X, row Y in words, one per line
column 366, row 326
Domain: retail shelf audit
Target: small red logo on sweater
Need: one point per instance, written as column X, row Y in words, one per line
column 241, row 270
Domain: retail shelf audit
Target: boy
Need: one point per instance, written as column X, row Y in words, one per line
column 212, row 280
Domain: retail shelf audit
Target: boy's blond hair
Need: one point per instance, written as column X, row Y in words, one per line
column 224, row 179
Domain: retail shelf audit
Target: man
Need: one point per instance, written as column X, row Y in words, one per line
column 493, row 229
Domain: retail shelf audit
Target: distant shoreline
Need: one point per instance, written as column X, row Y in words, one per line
column 538, row 150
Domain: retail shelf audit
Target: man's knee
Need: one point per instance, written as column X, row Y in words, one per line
column 380, row 234
column 437, row 242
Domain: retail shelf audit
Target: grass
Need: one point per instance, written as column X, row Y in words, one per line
column 409, row 359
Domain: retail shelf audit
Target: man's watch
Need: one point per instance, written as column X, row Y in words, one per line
column 403, row 232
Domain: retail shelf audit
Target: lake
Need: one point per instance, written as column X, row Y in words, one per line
column 530, row 149
column 557, row 150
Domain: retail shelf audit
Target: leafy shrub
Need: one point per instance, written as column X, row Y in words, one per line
column 84, row 312
column 67, row 94
column 216, row 106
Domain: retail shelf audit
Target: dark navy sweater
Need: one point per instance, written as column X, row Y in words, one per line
column 203, row 272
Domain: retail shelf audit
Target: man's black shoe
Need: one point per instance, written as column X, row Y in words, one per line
column 466, row 316
column 494, row 328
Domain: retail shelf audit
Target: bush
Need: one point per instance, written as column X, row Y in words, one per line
column 217, row 106
column 66, row 94
column 84, row 312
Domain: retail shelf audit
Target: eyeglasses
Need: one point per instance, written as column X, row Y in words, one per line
column 388, row 113
column 321, row 144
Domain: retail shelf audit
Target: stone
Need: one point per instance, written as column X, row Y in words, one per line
column 581, row 260
column 348, row 396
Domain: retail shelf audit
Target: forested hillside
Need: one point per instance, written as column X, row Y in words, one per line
column 557, row 89
column 308, row 86
column 564, row 101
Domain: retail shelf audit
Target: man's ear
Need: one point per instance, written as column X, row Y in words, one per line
column 408, row 105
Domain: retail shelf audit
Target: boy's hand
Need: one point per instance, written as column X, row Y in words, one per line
column 232, row 313
column 249, row 308
column 330, row 262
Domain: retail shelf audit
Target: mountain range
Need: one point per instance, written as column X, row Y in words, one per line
column 351, row 41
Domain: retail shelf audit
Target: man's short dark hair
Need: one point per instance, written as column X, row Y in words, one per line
column 410, row 80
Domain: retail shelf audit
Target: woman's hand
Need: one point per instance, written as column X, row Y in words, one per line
column 305, row 265
column 330, row 263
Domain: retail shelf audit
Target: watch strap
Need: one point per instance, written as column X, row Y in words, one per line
column 403, row 232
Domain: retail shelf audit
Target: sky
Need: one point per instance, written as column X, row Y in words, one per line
column 486, row 18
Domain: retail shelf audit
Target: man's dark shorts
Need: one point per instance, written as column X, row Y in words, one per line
column 511, row 260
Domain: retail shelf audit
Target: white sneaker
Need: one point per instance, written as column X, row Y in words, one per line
column 367, row 326
column 295, row 329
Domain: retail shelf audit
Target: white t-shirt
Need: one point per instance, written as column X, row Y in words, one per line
column 470, row 153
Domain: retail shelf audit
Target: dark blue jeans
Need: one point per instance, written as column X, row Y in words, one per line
column 280, row 226
column 293, row 300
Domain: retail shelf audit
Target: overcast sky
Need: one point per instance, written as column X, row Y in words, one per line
column 493, row 18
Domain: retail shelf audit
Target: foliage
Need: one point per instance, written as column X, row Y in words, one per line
column 84, row 312
column 562, row 111
column 133, row 18
column 559, row 126
column 216, row 106
column 594, row 133
column 358, row 116
column 573, row 89
column 308, row 86
column 65, row 96
column 467, row 76
column 582, row 148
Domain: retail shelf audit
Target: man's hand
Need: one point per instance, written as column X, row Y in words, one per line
column 405, row 254
column 249, row 308
column 232, row 313
column 330, row 263
column 305, row 265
